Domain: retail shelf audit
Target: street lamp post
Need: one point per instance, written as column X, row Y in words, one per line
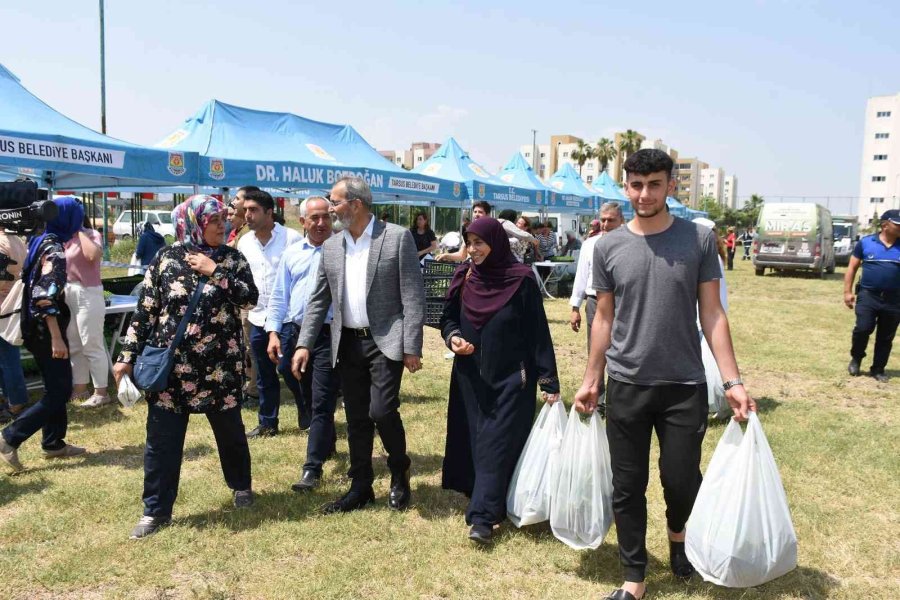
column 534, row 150
column 103, row 121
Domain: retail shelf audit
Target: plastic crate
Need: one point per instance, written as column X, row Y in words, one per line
column 437, row 276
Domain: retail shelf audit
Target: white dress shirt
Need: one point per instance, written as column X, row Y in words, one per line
column 584, row 272
column 264, row 261
column 356, row 261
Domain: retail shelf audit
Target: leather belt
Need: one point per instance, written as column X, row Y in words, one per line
column 360, row 332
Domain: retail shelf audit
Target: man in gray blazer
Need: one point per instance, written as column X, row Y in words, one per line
column 371, row 274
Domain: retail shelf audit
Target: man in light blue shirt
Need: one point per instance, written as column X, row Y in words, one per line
column 295, row 282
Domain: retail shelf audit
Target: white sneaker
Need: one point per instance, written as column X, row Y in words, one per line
column 96, row 400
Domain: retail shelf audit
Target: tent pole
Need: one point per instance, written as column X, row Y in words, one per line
column 106, row 228
column 433, row 218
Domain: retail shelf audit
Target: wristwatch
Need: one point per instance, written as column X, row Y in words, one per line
column 731, row 383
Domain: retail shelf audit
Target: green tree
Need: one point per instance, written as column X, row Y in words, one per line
column 583, row 153
column 629, row 143
column 604, row 152
column 710, row 206
column 751, row 210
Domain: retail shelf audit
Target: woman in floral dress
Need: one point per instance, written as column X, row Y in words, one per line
column 208, row 373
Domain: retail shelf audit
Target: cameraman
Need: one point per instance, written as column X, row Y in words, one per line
column 45, row 318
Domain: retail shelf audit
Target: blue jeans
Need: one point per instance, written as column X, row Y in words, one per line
column 319, row 387
column 266, row 378
column 49, row 413
column 12, row 380
column 288, row 338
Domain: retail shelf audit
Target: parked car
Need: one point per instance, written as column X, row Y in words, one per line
column 160, row 219
column 794, row 236
column 846, row 234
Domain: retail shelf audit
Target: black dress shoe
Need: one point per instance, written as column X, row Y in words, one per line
column 352, row 500
column 482, row 534
column 853, row 367
column 307, row 482
column 400, row 494
column 262, row 431
column 678, row 561
column 880, row 377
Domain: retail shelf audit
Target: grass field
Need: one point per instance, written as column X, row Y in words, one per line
column 64, row 526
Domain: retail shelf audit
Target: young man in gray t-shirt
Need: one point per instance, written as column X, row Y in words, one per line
column 650, row 276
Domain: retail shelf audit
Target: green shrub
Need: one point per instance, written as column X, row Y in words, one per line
column 122, row 250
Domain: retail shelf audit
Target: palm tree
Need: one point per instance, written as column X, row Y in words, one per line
column 583, row 153
column 605, row 151
column 629, row 143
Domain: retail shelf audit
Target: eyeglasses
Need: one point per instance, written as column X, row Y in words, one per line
column 335, row 204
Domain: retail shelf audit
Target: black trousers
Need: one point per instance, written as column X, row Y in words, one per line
column 678, row 413
column 879, row 310
column 318, row 389
column 730, row 252
column 371, row 385
column 165, row 447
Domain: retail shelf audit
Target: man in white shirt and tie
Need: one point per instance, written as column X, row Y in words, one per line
column 263, row 247
column 611, row 217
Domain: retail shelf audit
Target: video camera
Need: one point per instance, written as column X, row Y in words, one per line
column 23, row 207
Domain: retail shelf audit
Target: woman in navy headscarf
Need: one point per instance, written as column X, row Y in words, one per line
column 494, row 322
column 45, row 318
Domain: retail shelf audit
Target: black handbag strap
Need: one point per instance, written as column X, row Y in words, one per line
column 192, row 306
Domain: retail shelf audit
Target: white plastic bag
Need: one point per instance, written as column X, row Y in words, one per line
column 740, row 532
column 128, row 392
column 534, row 480
column 581, row 508
column 715, row 392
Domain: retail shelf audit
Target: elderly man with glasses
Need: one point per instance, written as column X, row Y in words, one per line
column 370, row 277
column 611, row 217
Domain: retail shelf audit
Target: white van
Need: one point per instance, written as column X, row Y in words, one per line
column 160, row 219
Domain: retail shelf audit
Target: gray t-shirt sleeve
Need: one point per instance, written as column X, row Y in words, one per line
column 601, row 278
column 709, row 258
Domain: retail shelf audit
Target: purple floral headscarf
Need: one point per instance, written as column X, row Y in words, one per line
column 191, row 218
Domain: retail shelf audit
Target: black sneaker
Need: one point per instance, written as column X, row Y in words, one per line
column 243, row 498
column 262, row 431
column 148, row 526
column 853, row 367
column 482, row 535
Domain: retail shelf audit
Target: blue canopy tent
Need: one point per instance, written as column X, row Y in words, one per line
column 676, row 208
column 607, row 190
column 517, row 172
column 241, row 146
column 568, row 193
column 471, row 182
column 40, row 143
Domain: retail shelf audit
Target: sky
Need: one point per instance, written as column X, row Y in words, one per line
column 773, row 91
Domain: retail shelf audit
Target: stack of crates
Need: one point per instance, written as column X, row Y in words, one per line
column 437, row 277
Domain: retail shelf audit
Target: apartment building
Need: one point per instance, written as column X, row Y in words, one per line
column 729, row 191
column 418, row 153
column 879, row 186
column 688, row 183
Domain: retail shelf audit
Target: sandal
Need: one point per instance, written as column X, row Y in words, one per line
column 678, row 561
column 96, row 401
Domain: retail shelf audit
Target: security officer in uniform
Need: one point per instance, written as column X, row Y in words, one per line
column 877, row 300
